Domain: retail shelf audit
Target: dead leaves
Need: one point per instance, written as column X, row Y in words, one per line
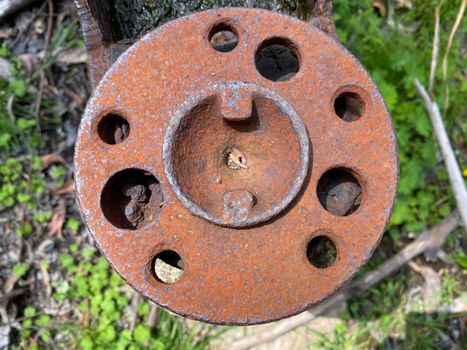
column 431, row 292
column 403, row 4
column 58, row 219
column 75, row 55
column 68, row 187
column 50, row 159
column 380, row 6
column 431, row 287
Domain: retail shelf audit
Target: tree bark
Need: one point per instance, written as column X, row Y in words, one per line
column 111, row 26
column 137, row 17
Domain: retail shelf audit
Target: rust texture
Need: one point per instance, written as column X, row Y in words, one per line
column 258, row 173
column 110, row 27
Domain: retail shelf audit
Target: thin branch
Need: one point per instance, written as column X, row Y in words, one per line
column 390, row 18
column 48, row 37
column 152, row 317
column 452, row 34
column 429, row 240
column 435, row 53
column 455, row 26
column 135, row 300
column 454, row 173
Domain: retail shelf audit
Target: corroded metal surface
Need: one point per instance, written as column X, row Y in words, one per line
column 111, row 26
column 267, row 191
column 204, row 139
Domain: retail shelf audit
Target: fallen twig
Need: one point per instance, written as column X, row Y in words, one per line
column 428, row 240
column 152, row 317
column 455, row 26
column 46, row 281
column 48, row 37
column 454, row 173
column 435, row 53
column 9, row 108
column 135, row 300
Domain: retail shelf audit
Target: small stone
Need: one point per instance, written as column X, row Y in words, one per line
column 166, row 272
column 5, row 66
column 4, row 336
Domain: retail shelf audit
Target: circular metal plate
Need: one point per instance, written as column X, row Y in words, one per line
column 245, row 274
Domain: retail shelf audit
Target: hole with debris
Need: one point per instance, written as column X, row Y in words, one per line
column 277, row 59
column 349, row 106
column 223, row 37
column 131, row 198
column 168, row 266
column 321, row 252
column 113, row 129
column 339, row 192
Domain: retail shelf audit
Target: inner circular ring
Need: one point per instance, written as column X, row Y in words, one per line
column 213, row 159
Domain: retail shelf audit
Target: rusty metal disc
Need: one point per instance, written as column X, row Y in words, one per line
column 236, row 166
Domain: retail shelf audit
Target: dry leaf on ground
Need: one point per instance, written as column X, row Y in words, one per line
column 58, row 219
column 49, row 159
column 68, row 187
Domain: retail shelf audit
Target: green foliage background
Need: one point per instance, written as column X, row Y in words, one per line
column 395, row 56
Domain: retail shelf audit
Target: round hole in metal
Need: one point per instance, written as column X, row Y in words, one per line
column 113, row 129
column 223, row 37
column 168, row 266
column 349, row 106
column 321, row 252
column 131, row 198
column 277, row 59
column 339, row 192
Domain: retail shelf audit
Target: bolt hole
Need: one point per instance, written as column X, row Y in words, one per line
column 349, row 106
column 223, row 37
column 277, row 59
column 131, row 198
column 113, row 129
column 168, row 266
column 321, row 252
column 339, row 192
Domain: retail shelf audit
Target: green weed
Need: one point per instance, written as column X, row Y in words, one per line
column 395, row 54
column 101, row 319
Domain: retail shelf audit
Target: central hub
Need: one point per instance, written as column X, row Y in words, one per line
column 236, row 154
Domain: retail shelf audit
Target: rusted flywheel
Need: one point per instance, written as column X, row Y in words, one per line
column 236, row 166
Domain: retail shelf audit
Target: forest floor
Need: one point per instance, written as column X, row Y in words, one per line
column 56, row 289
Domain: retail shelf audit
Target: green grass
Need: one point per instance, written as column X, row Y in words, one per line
column 102, row 300
column 395, row 56
column 100, row 320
